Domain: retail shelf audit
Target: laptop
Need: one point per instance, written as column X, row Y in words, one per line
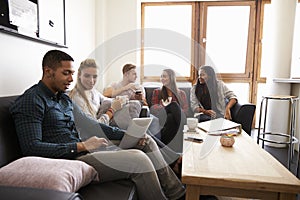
column 135, row 131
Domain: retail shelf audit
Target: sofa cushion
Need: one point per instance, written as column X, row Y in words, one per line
column 46, row 173
column 18, row 193
column 125, row 188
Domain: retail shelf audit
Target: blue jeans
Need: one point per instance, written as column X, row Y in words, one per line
column 88, row 127
column 144, row 165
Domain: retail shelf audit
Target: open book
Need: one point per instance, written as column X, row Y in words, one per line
column 220, row 126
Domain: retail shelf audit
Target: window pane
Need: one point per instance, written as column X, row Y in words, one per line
column 241, row 90
column 266, row 41
column 157, row 60
column 295, row 69
column 171, row 49
column 226, row 38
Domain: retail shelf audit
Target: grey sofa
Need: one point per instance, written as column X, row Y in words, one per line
column 10, row 151
column 116, row 190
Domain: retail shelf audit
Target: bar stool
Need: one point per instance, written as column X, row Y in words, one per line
column 290, row 137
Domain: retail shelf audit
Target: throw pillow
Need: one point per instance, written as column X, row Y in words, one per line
column 47, row 173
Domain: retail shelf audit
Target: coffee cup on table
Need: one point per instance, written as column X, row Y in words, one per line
column 192, row 123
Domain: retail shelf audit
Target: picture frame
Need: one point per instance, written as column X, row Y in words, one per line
column 38, row 20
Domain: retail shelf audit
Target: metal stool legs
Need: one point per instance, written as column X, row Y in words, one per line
column 291, row 139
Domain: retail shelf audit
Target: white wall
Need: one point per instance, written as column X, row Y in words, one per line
column 120, row 17
column 89, row 25
column 20, row 63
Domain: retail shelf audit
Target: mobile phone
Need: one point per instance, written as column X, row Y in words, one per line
column 194, row 139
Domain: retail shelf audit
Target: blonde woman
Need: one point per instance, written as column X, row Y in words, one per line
column 94, row 104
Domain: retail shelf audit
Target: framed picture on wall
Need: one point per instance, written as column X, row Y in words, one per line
column 51, row 20
column 38, row 20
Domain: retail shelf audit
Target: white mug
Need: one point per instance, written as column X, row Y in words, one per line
column 123, row 99
column 192, row 123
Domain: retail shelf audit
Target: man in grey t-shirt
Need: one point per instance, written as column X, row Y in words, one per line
column 127, row 86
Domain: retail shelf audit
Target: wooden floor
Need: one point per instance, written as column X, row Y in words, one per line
column 281, row 154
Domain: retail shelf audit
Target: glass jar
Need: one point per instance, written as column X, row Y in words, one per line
column 227, row 140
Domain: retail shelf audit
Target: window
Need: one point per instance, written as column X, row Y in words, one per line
column 295, row 72
column 167, row 37
column 266, row 41
column 220, row 34
column 226, row 37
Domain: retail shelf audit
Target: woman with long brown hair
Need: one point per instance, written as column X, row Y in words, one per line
column 211, row 97
column 170, row 105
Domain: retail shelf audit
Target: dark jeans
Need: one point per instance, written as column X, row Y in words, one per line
column 203, row 117
column 89, row 127
column 172, row 131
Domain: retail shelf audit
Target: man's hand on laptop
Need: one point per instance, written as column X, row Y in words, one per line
column 143, row 140
column 91, row 144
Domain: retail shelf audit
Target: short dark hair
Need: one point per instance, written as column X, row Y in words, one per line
column 53, row 58
column 128, row 67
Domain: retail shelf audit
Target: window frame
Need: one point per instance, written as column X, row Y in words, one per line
column 245, row 77
column 198, row 31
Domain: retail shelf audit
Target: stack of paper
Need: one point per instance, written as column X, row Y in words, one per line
column 220, row 126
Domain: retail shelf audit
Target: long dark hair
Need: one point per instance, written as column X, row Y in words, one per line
column 173, row 86
column 210, row 85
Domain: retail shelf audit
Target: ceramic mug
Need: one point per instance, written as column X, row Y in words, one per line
column 124, row 99
column 192, row 123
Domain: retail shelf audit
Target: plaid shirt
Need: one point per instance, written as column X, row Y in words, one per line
column 45, row 123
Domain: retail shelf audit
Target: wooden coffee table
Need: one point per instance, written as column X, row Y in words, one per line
column 244, row 170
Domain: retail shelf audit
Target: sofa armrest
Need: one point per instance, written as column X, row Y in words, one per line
column 243, row 114
column 21, row 193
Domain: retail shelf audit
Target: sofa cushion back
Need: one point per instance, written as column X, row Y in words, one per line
column 9, row 145
column 243, row 114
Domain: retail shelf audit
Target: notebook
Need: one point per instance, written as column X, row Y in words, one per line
column 135, row 131
column 220, row 126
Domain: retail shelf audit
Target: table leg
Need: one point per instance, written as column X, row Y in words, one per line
column 192, row 192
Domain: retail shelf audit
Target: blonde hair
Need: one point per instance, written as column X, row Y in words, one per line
column 87, row 63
